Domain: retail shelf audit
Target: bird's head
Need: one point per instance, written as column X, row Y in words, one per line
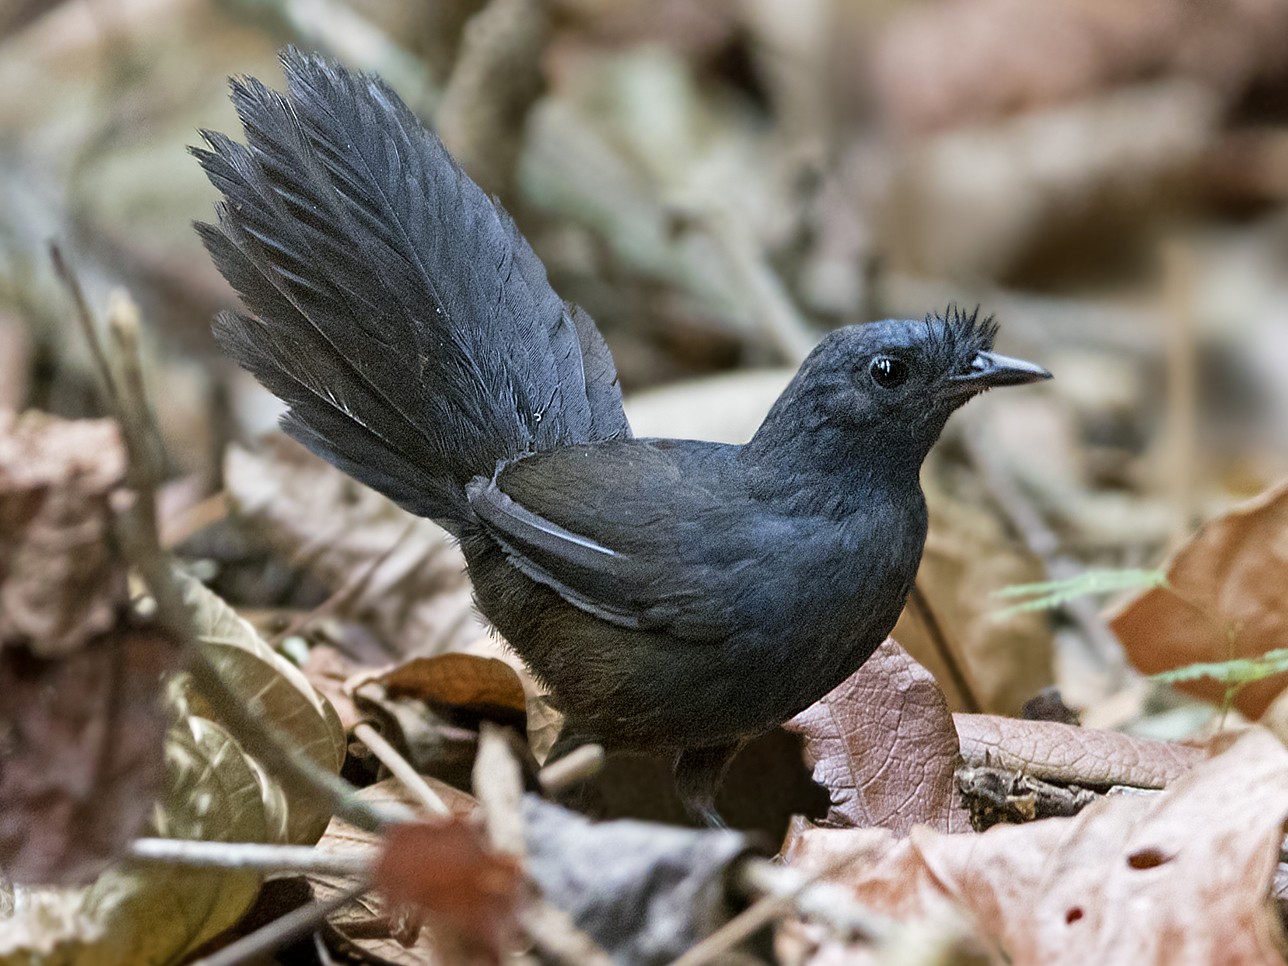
column 885, row 389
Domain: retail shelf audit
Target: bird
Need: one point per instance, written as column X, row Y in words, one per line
column 675, row 596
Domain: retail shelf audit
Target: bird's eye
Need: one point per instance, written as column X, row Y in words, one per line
column 888, row 372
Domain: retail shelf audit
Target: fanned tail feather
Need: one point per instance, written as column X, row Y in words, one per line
column 396, row 309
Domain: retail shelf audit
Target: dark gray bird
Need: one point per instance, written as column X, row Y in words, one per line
column 674, row 595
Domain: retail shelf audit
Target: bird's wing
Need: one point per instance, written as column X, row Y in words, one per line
column 641, row 533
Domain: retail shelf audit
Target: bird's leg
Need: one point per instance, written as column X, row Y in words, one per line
column 698, row 773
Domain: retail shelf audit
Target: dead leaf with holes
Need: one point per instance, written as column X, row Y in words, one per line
column 1225, row 601
column 1183, row 876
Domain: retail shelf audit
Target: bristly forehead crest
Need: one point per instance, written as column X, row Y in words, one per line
column 956, row 335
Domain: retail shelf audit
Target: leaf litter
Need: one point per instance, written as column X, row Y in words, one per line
column 1131, row 112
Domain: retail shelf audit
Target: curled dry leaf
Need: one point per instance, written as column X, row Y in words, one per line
column 884, row 746
column 1068, row 754
column 401, row 575
column 480, row 687
column 1178, row 877
column 80, row 753
column 1225, row 601
column 276, row 689
column 60, row 583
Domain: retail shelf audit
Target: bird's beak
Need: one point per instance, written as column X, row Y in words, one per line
column 988, row 369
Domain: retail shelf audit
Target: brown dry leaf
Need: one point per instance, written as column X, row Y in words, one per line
column 1068, row 754
column 1226, row 601
column 884, row 746
column 60, row 584
column 402, row 575
column 478, row 686
column 1180, row 877
column 445, row 869
column 368, row 923
column 82, row 753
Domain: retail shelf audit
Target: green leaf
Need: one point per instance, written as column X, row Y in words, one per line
column 1052, row 593
column 1243, row 670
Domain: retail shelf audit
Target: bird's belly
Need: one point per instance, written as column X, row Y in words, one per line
column 648, row 690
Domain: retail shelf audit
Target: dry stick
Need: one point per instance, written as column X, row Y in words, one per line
column 498, row 785
column 137, row 531
column 1182, row 394
column 780, row 890
column 583, row 762
column 282, row 931
column 757, row 915
column 195, row 519
column 782, row 324
column 947, row 652
column 256, row 856
column 401, row 769
column 1102, row 645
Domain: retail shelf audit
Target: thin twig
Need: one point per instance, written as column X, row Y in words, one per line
column 953, row 664
column 137, row 532
column 780, row 891
column 351, row 588
column 401, row 769
column 85, row 318
column 757, row 915
column 1182, row 392
column 498, row 785
column 557, row 938
column 824, row 902
column 195, row 519
column 282, row 931
column 260, row 857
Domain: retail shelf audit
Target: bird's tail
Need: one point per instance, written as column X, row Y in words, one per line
column 391, row 304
